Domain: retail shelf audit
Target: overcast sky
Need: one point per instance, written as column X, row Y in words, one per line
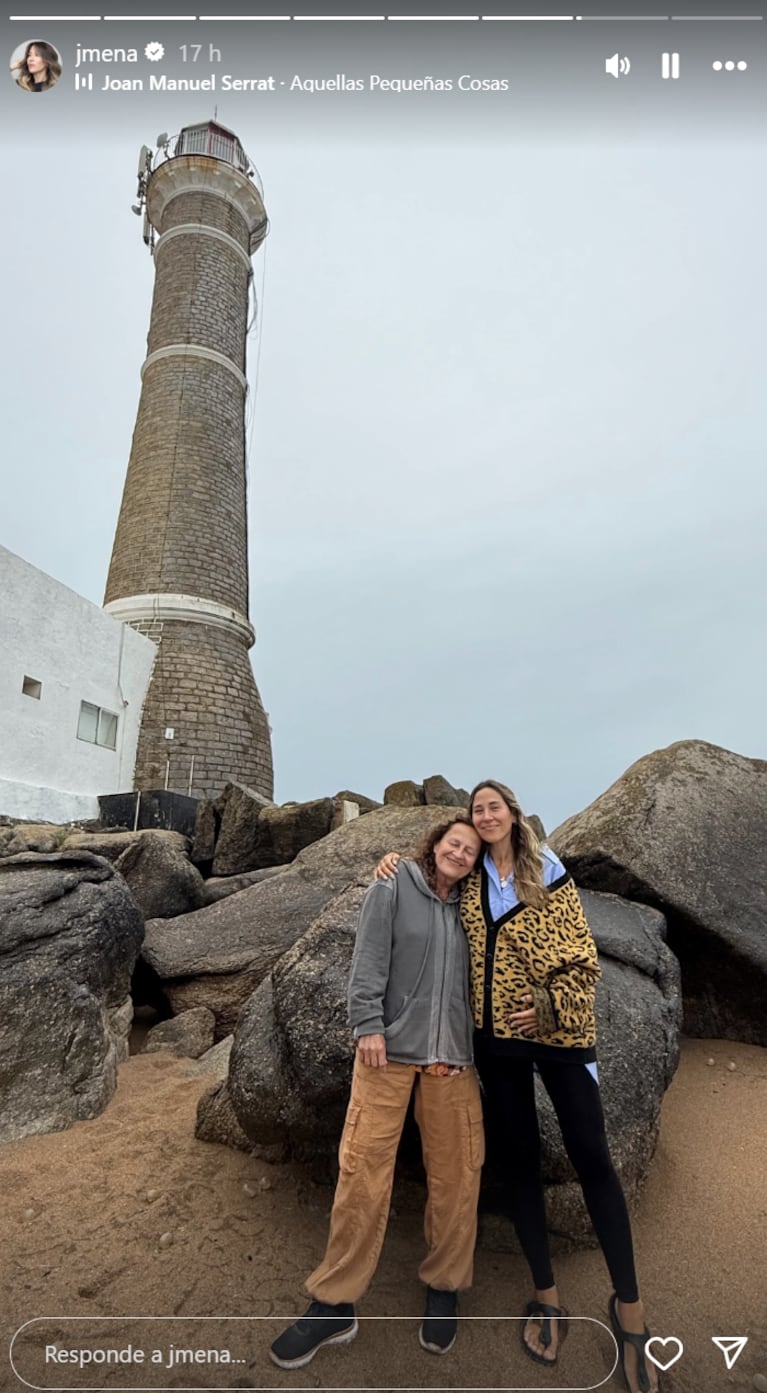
column 507, row 461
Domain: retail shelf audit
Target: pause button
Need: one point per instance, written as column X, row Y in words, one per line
column 669, row 66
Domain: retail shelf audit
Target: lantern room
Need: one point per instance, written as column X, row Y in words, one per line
column 210, row 138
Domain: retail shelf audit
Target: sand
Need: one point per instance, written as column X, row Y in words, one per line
column 129, row 1216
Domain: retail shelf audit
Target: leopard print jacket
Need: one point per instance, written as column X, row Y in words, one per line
column 548, row 954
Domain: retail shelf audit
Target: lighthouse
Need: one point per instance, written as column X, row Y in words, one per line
column 179, row 567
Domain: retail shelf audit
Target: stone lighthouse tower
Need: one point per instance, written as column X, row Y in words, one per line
column 179, row 569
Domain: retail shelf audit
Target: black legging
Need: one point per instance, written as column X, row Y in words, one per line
column 510, row 1092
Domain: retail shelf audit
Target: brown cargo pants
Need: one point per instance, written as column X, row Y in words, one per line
column 448, row 1111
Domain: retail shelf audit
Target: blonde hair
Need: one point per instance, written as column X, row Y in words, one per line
column 525, row 847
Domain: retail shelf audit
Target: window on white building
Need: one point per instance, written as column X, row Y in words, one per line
column 32, row 688
column 97, row 726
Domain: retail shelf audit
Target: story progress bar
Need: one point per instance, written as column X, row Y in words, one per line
column 385, row 19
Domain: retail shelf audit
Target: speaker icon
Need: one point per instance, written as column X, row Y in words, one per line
column 617, row 66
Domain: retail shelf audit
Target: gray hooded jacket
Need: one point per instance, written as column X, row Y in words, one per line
column 409, row 979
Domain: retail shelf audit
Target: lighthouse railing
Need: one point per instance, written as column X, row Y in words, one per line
column 216, row 143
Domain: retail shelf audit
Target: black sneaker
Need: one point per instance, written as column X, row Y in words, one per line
column 440, row 1322
column 320, row 1325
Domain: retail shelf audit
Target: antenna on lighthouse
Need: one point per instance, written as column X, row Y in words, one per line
column 145, row 158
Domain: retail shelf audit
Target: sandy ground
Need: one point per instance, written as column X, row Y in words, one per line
column 129, row 1216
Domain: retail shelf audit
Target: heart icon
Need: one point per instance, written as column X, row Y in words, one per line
column 667, row 1360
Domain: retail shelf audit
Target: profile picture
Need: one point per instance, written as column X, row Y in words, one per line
column 35, row 65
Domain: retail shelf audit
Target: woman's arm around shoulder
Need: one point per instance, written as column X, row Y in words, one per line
column 387, row 866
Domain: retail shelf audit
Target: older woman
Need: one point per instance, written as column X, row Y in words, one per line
column 533, row 973
column 39, row 69
column 410, row 1012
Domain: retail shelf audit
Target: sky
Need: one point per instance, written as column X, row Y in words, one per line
column 507, row 433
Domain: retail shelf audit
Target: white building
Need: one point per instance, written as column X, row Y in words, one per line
column 72, row 686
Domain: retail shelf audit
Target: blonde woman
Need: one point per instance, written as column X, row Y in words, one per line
column 39, row 69
column 533, row 970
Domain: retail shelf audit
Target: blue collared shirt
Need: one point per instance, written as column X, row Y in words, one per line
column 504, row 897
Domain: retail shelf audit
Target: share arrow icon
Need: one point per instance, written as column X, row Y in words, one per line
column 732, row 1346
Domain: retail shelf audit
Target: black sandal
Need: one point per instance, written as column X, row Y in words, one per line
column 540, row 1311
column 625, row 1337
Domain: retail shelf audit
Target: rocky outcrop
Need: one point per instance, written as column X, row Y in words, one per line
column 219, row 887
column 365, row 805
column 154, row 862
column 436, row 789
column 161, row 877
column 291, row 1059
column 217, row 956
column 286, row 829
column 207, row 824
column 237, row 844
column 189, row 1034
column 404, row 794
column 70, row 932
column 291, row 1056
column 110, row 845
column 215, row 1061
column 343, row 811
column 217, row 1120
column 685, row 829
column 16, row 838
column 254, row 835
